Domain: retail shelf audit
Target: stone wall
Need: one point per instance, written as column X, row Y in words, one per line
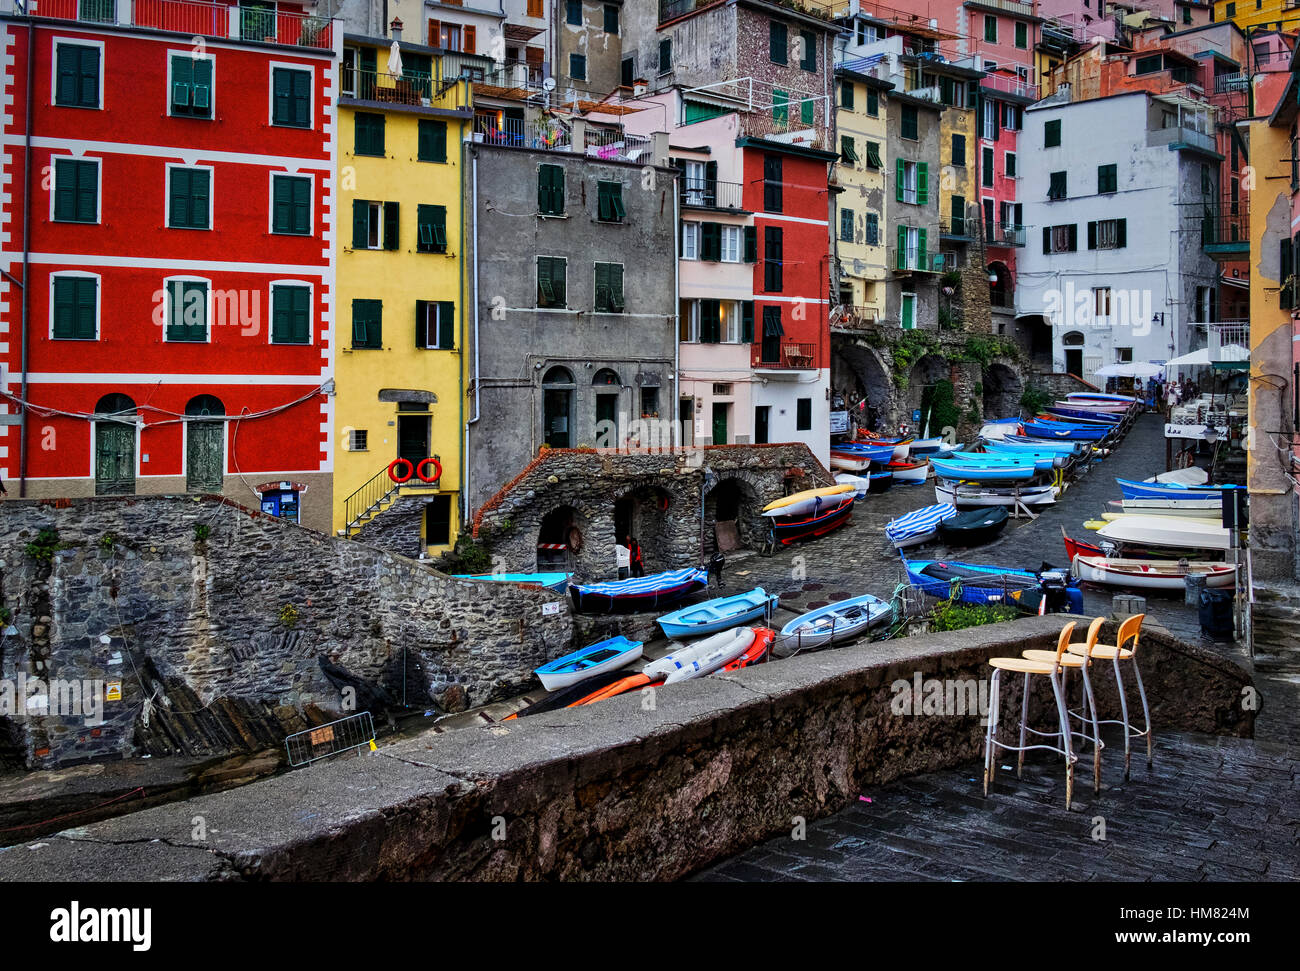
column 215, row 620
column 627, row 789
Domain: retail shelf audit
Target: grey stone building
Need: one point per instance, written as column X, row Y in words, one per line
column 912, row 213
column 571, row 265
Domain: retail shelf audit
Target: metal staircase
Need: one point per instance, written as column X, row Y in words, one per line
column 374, row 497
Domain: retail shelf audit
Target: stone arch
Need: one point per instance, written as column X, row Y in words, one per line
column 554, row 530
column 861, row 377
column 733, row 500
column 647, row 512
column 930, row 376
column 1002, row 390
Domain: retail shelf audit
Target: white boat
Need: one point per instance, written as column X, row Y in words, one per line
column 701, row 658
column 1151, row 574
column 1194, row 508
column 998, row 430
column 847, row 462
column 918, row 526
column 967, row 496
column 834, row 623
column 860, row 483
column 1183, row 533
column 1190, row 476
column 808, row 501
column 1107, row 407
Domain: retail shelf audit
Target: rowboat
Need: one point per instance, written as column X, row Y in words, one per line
column 551, row 581
column 607, row 655
column 809, row 500
column 860, row 483
column 1042, row 459
column 849, row 461
column 978, row 584
column 880, row 481
column 703, row 657
column 900, row 447
column 639, row 593
column 909, row 473
column 756, row 653
column 1080, row 416
column 1091, row 404
column 787, row 529
column 974, row 527
column 875, row 451
column 1169, row 490
column 1135, row 551
column 1124, row 399
column 966, row 496
column 573, row 695
column 1001, row 428
column 1068, row 432
column 1116, row 515
column 718, row 614
column 1151, row 574
column 1019, row 443
column 945, row 451
column 1193, row 475
column 926, row 446
column 834, row 623
column 1194, row 508
column 963, row 470
column 919, row 525
column 1202, row 534
column 629, row 682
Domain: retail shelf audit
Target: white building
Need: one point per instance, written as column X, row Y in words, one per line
column 1113, row 200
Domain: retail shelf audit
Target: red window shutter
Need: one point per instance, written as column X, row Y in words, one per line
column 469, row 40
column 435, row 33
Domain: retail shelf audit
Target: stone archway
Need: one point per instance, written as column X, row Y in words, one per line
column 554, row 550
column 731, row 516
column 646, row 512
column 859, row 375
column 1002, row 390
column 930, row 391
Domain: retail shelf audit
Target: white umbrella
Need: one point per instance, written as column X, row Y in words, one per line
column 395, row 60
column 1204, row 358
column 1129, row 369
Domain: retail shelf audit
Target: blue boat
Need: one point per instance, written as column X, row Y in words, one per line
column 919, row 525
column 962, row 470
column 607, row 655
column 1017, row 443
column 1084, row 416
column 979, row 584
column 876, row 453
column 718, row 614
column 639, row 593
column 1170, row 490
column 551, row 581
column 1060, row 430
column 1043, row 459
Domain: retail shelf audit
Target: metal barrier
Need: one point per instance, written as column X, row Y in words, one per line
column 334, row 737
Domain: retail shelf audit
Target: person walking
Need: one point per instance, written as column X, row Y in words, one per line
column 715, row 568
column 635, row 560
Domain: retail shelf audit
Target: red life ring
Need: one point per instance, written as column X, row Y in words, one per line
column 392, row 470
column 419, row 470
column 575, row 539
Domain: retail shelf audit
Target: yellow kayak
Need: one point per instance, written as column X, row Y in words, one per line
column 1111, row 517
column 805, row 500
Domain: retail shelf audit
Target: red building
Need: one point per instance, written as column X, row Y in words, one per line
column 165, row 236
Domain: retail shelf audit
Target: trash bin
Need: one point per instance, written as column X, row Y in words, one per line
column 1216, row 614
column 1195, row 586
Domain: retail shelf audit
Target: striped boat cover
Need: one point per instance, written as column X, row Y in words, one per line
column 654, row 583
column 921, row 520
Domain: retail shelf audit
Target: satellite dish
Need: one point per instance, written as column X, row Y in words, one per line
column 548, row 84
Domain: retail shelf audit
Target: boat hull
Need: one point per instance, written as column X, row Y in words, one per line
column 599, row 658
column 634, row 596
column 787, row 530
column 974, row 528
column 968, row 497
column 1149, row 574
column 701, row 658
column 719, row 614
column 979, row 584
column 832, row 624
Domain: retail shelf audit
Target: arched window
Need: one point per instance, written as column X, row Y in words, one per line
column 115, row 407
column 558, row 375
column 204, row 405
column 607, row 378
column 1073, row 339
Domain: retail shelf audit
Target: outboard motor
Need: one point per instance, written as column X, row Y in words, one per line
column 1054, row 586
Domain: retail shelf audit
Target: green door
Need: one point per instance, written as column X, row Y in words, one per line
column 413, row 438
column 907, row 313
column 114, row 459
column 719, row 424
column 607, row 421
column 204, row 456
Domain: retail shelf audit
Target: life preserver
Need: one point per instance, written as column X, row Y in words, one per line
column 575, row 539
column 419, row 470
column 392, row 470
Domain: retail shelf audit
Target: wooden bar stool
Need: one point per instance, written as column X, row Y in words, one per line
column 1125, row 649
column 1021, row 665
column 1087, row 704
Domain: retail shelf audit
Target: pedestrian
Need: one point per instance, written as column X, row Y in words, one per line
column 715, row 568
column 634, row 557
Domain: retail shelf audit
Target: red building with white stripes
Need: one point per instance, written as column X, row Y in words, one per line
column 166, row 227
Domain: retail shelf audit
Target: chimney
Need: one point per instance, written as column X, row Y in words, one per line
column 395, row 29
column 639, row 86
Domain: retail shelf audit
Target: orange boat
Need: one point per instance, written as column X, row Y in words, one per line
column 756, row 652
column 622, row 686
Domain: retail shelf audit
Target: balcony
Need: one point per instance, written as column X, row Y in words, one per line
column 227, row 21
column 1004, row 234
column 912, row 261
column 1013, row 7
column 672, row 9
column 957, row 227
column 409, row 89
column 1179, row 137
column 787, row 356
column 1232, row 83
column 1225, row 230
column 702, row 194
column 850, row 317
column 1006, row 84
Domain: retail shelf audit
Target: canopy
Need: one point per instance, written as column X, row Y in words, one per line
column 1204, row 357
column 1130, row 369
column 395, row 60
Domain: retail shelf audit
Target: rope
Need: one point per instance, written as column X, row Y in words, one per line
column 55, row 819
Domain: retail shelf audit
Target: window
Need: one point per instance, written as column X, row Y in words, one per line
column 1108, row 234
column 873, row 156
column 550, row 190
column 911, row 182
column 773, row 246
column 803, row 414
column 76, row 191
column 909, row 122
column 1107, row 178
column 777, row 42
column 432, row 141
column 873, row 102
column 609, row 288
column 1056, row 186
column 711, row 242
column 611, row 19
column 846, row 225
column 846, row 95
column 367, row 324
column 1060, row 239
column 806, row 109
column 1101, row 302
column 987, row 175
column 1009, row 163
column 911, row 248
column 375, row 224
column 958, row 210
column 191, row 86
column 610, row 202
column 291, row 205
column 1012, row 116
column 76, row 308
column 369, row 134
column 187, row 311
column 688, row 322
column 1123, row 355
column 552, row 276
column 1148, row 65
column 665, row 55
column 710, row 321
column 357, row 439
column 291, row 101
column 847, row 154
column 990, row 29
column 628, row 72
column 959, row 150
column 189, row 201
column 871, row 229
column 1022, row 35
column 431, row 229
column 690, row 241
column 291, row 315
column 731, row 243
column 1187, row 15
column 578, row 67
column 1052, row 133
column 772, row 183
column 989, row 120
column 809, row 59
column 573, row 13
column 77, row 81
column 435, row 325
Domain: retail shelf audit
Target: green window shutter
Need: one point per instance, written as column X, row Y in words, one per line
column 360, row 223
column 809, row 60
column 602, row 287
column 873, row 155
column 616, row 202
column 902, row 247
column 846, row 95
column 188, row 204
column 777, row 42
column 182, row 83
column 431, row 229
column 751, row 244
column 300, row 93
column 616, row 287
column 179, row 202
column 1052, row 133
column 780, row 106
column 367, row 323
column 1092, row 235
column 391, row 222
column 74, row 308
column 550, row 189
column 201, row 94
column 446, row 325
column 909, row 123
column 281, row 90
column 1022, row 34
column 87, row 208
column 432, row 137
column 187, row 311
column 291, row 201
column 1121, row 233
column 75, row 190
column 545, row 289
column 900, row 176
column 873, row 102
column 603, row 209
column 68, row 86
column 199, row 188
column 301, row 204
column 1047, row 239
column 921, row 260
column 747, row 321
column 1074, row 237
column 711, row 242
column 806, row 115
column 922, row 183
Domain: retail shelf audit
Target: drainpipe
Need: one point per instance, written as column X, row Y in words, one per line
column 27, row 224
column 473, row 289
column 676, row 309
column 460, row 398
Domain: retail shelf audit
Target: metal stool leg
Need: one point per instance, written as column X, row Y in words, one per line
column 1123, row 707
column 1096, row 732
column 1065, row 732
column 1146, row 712
column 1024, row 718
column 990, row 735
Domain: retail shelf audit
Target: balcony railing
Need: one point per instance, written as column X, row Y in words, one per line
column 789, row 356
column 1009, row 85
column 912, row 261
column 1181, row 136
column 614, row 144
column 1004, row 234
column 1008, row 6
column 702, row 194
column 1225, row 227
column 265, row 24
column 958, row 227
column 1232, row 83
column 853, row 317
column 672, row 9
column 409, row 89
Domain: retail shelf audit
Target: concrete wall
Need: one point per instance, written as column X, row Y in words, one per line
column 630, row 788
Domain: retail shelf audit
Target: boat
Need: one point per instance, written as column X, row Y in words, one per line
column 702, row 657
column 1182, row 533
column 966, row 496
column 1194, row 508
column 926, row 446
column 551, row 581
column 880, row 481
column 909, row 473
column 944, row 451
column 984, row 471
column 849, row 461
column 607, row 655
column 1000, row 428
column 1043, row 459
column 979, row 584
column 1131, row 489
column 718, row 614
column 756, row 653
column 974, row 527
column 1193, row 475
column 860, row 483
column 638, row 593
column 809, row 500
column 876, row 451
column 919, row 525
column 834, row 623
column 1151, row 574
column 900, row 447
column 1092, row 404
column 787, row 529
column 1020, row 443
column 1078, row 547
column 1068, row 432
column 629, row 682
column 1079, row 416
column 570, row 696
column 1124, row 399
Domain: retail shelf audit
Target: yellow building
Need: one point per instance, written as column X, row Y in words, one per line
column 399, row 298
column 959, row 193
column 1279, row 14
column 859, row 228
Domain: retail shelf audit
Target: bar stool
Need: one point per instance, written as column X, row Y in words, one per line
column 1117, row 652
column 1028, row 668
column 1070, row 661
